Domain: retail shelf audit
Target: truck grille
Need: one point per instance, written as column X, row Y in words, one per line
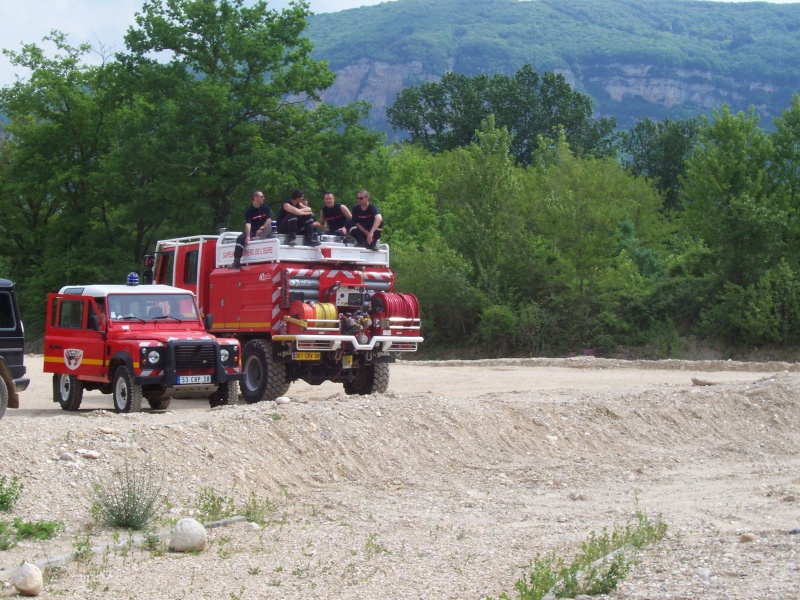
column 195, row 356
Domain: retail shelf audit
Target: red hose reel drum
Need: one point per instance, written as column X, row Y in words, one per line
column 399, row 311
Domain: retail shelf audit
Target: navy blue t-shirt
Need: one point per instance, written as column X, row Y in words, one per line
column 334, row 216
column 365, row 217
column 258, row 218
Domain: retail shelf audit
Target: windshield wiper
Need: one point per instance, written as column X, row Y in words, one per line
column 130, row 318
column 178, row 319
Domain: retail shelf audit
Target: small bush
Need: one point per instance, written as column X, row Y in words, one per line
column 133, row 497
column 9, row 492
column 596, row 569
column 11, row 533
column 212, row 506
column 497, row 326
column 37, row 530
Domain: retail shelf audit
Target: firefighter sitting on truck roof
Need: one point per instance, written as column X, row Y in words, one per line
column 367, row 223
column 296, row 217
column 257, row 223
column 334, row 215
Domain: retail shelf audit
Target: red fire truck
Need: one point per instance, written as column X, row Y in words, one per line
column 135, row 342
column 321, row 313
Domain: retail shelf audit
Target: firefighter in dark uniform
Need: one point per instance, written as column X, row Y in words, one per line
column 295, row 216
column 257, row 223
column 367, row 223
column 334, row 216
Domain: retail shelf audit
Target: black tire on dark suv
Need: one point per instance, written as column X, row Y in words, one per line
column 12, row 349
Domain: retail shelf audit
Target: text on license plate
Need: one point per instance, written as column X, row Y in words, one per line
column 194, row 379
column 306, row 355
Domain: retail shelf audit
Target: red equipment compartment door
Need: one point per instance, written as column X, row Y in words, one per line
column 72, row 345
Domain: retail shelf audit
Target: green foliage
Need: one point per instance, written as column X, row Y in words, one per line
column 101, row 161
column 597, row 569
column 133, row 496
column 447, row 295
column 12, row 532
column 212, row 506
column 659, row 151
column 497, row 326
column 10, row 491
column 728, row 200
column 767, row 312
column 447, row 114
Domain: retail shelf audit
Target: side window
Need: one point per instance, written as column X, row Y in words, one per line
column 190, row 267
column 165, row 267
column 6, row 312
column 71, row 314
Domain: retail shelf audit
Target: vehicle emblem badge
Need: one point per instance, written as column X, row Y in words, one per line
column 73, row 358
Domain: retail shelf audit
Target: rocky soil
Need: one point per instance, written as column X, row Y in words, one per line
column 446, row 486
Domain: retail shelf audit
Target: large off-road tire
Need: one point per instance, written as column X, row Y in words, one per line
column 127, row 395
column 373, row 379
column 67, row 391
column 226, row 395
column 158, row 403
column 263, row 378
column 3, row 397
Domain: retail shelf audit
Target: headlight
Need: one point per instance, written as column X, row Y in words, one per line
column 153, row 357
column 224, row 354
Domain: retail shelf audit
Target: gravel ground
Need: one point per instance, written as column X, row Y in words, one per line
column 446, row 486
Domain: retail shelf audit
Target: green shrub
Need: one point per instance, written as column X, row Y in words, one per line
column 12, row 532
column 213, row 507
column 133, row 497
column 497, row 326
column 10, row 491
column 596, row 569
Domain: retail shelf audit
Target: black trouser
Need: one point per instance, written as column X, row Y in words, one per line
column 294, row 224
column 239, row 249
column 361, row 237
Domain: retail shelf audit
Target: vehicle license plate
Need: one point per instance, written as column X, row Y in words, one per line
column 194, row 379
column 306, row 355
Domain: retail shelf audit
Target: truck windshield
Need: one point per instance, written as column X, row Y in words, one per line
column 149, row 307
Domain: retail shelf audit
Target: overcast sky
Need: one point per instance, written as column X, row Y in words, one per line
column 104, row 22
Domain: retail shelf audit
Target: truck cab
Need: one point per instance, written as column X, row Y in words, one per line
column 135, row 342
column 12, row 349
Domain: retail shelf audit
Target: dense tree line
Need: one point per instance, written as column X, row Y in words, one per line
column 522, row 223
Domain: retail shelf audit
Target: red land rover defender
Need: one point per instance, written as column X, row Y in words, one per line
column 135, row 341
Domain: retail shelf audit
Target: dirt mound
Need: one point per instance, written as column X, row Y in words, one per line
column 432, row 494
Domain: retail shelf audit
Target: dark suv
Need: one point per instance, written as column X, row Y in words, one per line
column 12, row 349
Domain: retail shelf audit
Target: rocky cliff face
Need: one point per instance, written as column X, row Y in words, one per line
column 625, row 91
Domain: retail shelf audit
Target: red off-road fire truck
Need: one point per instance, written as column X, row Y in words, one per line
column 136, row 341
column 314, row 313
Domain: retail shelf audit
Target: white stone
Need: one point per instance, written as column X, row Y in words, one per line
column 28, row 580
column 93, row 454
column 282, row 400
column 67, row 456
column 189, row 535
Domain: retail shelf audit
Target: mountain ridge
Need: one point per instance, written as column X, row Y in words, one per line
column 636, row 59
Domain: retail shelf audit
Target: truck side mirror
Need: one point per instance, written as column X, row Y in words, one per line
column 208, row 321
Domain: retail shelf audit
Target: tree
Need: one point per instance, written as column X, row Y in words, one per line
column 55, row 215
column 659, row 152
column 243, row 83
column 446, row 115
column 728, row 199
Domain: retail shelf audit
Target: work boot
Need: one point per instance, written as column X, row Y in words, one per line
column 292, row 239
column 236, row 264
column 314, row 241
